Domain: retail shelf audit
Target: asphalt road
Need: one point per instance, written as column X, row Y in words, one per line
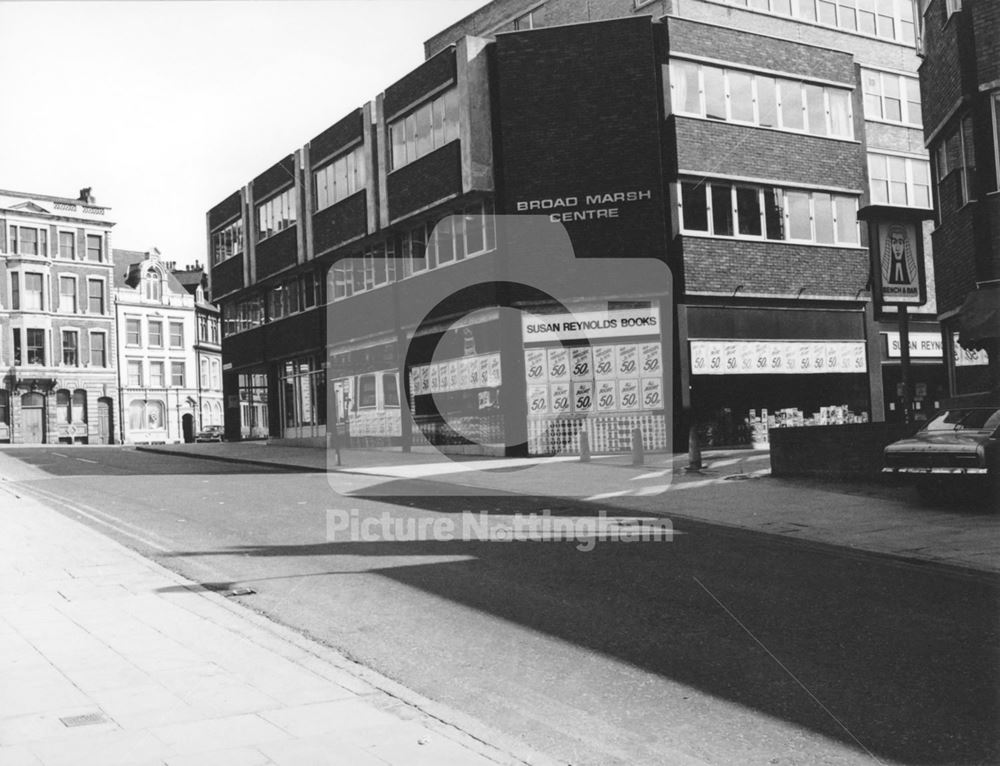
column 723, row 646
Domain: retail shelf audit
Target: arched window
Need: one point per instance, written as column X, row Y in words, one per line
column 204, row 373
column 79, row 406
column 217, row 406
column 62, row 406
column 32, row 399
column 153, row 286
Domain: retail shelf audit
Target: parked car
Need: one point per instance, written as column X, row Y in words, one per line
column 210, row 434
column 957, row 449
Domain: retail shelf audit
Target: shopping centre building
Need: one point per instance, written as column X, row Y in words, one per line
column 369, row 272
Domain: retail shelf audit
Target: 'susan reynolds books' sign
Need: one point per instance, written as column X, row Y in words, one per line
column 588, row 325
column 900, row 264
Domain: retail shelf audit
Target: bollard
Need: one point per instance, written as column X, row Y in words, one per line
column 694, row 450
column 637, row 456
column 584, row 447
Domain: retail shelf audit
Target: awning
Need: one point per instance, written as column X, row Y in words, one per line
column 979, row 317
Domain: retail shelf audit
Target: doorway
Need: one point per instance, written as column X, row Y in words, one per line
column 33, row 418
column 187, row 426
column 105, row 421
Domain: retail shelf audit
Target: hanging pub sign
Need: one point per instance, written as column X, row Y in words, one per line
column 895, row 243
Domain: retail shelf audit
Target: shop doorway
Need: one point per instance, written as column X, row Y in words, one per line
column 187, row 426
column 33, row 418
column 105, row 422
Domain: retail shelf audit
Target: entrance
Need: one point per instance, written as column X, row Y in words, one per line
column 187, row 425
column 105, row 424
column 33, row 418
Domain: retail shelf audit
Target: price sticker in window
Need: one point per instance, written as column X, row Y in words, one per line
column 583, row 397
column 558, row 364
column 559, row 400
column 652, row 393
column 607, row 396
column 627, row 361
column 651, row 358
column 538, row 400
column 628, row 394
column 604, row 361
column 534, row 365
column 581, row 360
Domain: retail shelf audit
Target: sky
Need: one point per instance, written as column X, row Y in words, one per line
column 165, row 108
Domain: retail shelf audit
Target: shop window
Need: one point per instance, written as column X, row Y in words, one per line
column 390, row 389
column 67, row 294
column 427, row 128
column 367, row 391
column 70, row 348
column 146, row 415
column 276, row 214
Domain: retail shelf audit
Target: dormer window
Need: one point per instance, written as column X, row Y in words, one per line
column 152, row 286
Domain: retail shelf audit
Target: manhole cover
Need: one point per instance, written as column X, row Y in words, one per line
column 87, row 719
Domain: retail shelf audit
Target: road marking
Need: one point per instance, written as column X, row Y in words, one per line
column 724, row 463
column 85, row 460
column 656, row 489
column 605, row 495
column 654, row 475
column 59, row 454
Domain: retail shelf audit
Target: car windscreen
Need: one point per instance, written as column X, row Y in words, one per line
column 975, row 419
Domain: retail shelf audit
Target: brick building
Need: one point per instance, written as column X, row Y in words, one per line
column 735, row 144
column 57, row 325
column 207, row 345
column 960, row 83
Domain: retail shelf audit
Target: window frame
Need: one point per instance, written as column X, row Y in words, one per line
column 279, row 212
column 75, row 347
column 172, row 325
column 174, row 375
column 88, row 249
column 59, row 245
column 63, row 278
column 402, row 128
column 129, row 343
column 103, row 335
column 102, row 283
column 325, row 177
column 134, row 380
column 228, row 239
column 909, row 182
column 150, row 324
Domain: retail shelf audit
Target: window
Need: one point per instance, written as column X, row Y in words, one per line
column 67, row 294
column 889, row 19
column 995, row 103
column 67, row 245
column 134, row 372
column 243, row 315
column 725, row 209
column 216, row 374
column 94, row 247
column 292, row 296
column 35, row 346
column 177, row 374
column 700, row 90
column 176, row 335
column 28, row 240
column 133, row 331
column 79, row 410
column 213, row 329
column 95, row 296
column 228, row 241
column 952, row 6
column 390, row 389
column 145, row 415
column 428, row 128
column 155, row 332
column 953, row 155
column 204, row 380
column 152, row 285
column 276, row 214
column 898, row 180
column 4, row 408
column 891, row 97
column 156, row 374
column 530, row 20
column 64, row 413
column 98, row 350
column 367, row 391
column 414, row 243
column 30, row 297
column 339, row 179
column 70, row 348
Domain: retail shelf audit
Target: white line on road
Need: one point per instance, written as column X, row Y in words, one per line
column 653, row 475
column 59, row 454
column 605, row 495
column 724, row 463
column 85, row 460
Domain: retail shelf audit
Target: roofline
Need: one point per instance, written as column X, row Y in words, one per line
column 51, row 198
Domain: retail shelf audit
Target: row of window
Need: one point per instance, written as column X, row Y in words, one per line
column 211, row 373
column 227, row 241
column 292, row 295
column 339, row 179
column 888, row 19
column 891, row 97
column 429, row 127
column 727, row 209
column 953, row 154
column 277, row 214
column 34, row 240
column 156, row 378
column 27, row 293
column 466, row 234
column 242, row 315
column 30, row 348
column 718, row 93
column 208, row 329
column 154, row 333
column 897, row 180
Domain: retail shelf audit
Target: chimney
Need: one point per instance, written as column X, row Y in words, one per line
column 86, row 196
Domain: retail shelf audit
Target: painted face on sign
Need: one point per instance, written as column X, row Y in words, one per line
column 899, row 267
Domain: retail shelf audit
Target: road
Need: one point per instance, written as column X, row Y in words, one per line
column 723, row 646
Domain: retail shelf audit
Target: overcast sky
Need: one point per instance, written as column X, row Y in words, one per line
column 165, row 108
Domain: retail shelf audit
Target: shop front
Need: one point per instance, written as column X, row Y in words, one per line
column 365, row 393
column 928, row 375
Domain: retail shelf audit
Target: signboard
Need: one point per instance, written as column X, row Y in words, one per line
column 900, row 264
column 742, row 357
column 590, row 325
column 923, row 345
column 468, row 372
column 968, row 357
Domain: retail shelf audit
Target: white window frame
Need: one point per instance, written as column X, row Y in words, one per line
column 130, row 365
column 325, row 178
column 76, row 293
column 911, row 185
column 58, row 245
column 171, row 324
column 277, row 213
column 14, row 239
column 149, row 335
column 62, row 347
column 128, row 343
column 104, row 295
column 233, row 231
column 85, row 255
column 904, row 107
column 161, row 365
column 174, row 363
column 90, row 348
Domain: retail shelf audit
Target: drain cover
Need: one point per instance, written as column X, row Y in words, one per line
column 87, row 719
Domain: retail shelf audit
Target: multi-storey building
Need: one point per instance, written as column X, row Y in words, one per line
column 960, row 83
column 207, row 345
column 57, row 329
column 733, row 141
column 156, row 350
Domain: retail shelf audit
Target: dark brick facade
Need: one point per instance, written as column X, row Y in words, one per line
column 277, row 252
column 424, row 182
column 340, row 223
column 337, row 137
column 274, row 179
column 429, row 76
column 226, row 210
column 227, row 276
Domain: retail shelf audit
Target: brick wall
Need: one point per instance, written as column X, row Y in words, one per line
column 425, row 181
column 227, row 276
column 275, row 253
column 986, row 25
column 432, row 74
column 280, row 174
column 941, row 82
column 340, row 223
column 227, row 209
column 339, row 135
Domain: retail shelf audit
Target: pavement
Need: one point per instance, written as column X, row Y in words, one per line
column 108, row 658
column 734, row 489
